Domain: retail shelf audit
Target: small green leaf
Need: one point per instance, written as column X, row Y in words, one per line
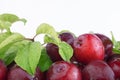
column 116, row 44
column 7, row 17
column 65, row 51
column 48, row 30
column 23, row 20
column 6, row 21
column 116, row 51
column 113, row 40
column 44, row 62
column 28, row 56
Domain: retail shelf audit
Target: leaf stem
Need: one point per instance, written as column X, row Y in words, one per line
column 31, row 39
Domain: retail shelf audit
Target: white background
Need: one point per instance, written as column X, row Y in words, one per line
column 78, row 16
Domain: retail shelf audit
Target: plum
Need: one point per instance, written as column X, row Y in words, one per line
column 39, row 75
column 62, row 70
column 98, row 70
column 52, row 51
column 114, row 63
column 67, row 37
column 108, row 44
column 17, row 73
column 88, row 47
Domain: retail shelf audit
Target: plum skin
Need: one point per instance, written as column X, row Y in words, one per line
column 62, row 70
column 52, row 51
column 17, row 73
column 87, row 48
column 67, row 37
column 98, row 70
column 108, row 44
column 3, row 70
column 114, row 63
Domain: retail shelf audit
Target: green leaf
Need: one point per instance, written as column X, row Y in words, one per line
column 6, row 40
column 28, row 56
column 44, row 62
column 11, row 39
column 5, row 25
column 48, row 39
column 113, row 40
column 116, row 51
column 65, row 51
column 34, row 55
column 116, row 44
column 48, row 30
column 7, row 17
column 9, row 53
column 3, row 36
column 22, row 58
column 6, row 21
column 3, row 50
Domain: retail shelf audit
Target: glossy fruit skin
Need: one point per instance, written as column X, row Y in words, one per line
column 108, row 45
column 114, row 63
column 67, row 37
column 113, row 57
column 16, row 73
column 98, row 70
column 87, row 48
column 62, row 70
column 3, row 70
column 52, row 51
column 39, row 75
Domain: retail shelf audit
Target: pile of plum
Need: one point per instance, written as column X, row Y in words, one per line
column 93, row 59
